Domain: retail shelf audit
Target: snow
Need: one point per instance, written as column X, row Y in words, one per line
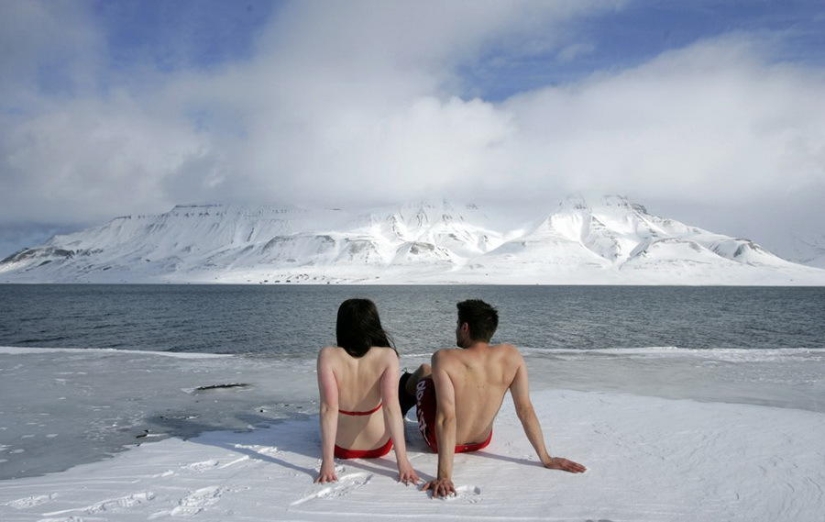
column 649, row 459
column 610, row 241
column 809, row 249
column 666, row 433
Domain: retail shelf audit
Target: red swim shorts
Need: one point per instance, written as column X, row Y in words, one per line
column 343, row 453
column 425, row 411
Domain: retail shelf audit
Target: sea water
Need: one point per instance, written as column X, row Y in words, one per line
column 292, row 321
column 98, row 368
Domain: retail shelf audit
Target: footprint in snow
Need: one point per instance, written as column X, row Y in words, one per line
column 471, row 494
column 269, row 451
column 201, row 466
column 197, row 501
column 28, row 502
column 110, row 505
column 345, row 485
column 468, row 494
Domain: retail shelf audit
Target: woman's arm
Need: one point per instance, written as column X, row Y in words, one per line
column 328, row 388
column 393, row 418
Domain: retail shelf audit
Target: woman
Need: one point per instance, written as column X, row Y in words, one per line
column 358, row 382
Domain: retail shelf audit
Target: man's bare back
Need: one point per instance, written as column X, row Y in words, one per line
column 470, row 384
column 480, row 376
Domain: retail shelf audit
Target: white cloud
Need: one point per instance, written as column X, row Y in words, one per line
column 51, row 43
column 93, row 159
column 711, row 122
column 357, row 102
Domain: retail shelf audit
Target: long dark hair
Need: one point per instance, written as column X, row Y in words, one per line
column 358, row 327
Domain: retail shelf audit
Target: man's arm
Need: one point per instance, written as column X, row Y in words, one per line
column 445, row 428
column 520, row 390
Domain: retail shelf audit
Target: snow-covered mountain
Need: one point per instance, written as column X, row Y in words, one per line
column 613, row 241
column 808, row 249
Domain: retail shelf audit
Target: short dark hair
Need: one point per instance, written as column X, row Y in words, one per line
column 358, row 327
column 480, row 316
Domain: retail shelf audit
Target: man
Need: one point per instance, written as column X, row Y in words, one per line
column 459, row 396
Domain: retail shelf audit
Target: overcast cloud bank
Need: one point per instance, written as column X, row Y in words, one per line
column 374, row 103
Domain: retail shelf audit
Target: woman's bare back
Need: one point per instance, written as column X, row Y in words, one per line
column 358, row 383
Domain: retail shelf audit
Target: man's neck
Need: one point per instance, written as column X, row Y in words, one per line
column 476, row 345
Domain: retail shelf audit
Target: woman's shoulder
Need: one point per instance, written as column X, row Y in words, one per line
column 328, row 352
column 375, row 353
column 383, row 353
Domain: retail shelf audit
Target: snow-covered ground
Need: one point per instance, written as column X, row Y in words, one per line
column 651, row 456
column 612, row 241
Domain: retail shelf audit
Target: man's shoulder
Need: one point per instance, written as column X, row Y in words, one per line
column 447, row 353
column 505, row 346
column 447, row 356
column 506, row 351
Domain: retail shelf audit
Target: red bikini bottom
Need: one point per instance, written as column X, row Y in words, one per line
column 343, row 453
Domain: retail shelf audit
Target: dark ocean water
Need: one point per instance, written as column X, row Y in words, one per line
column 293, row 321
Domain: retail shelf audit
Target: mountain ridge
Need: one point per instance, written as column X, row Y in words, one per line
column 610, row 241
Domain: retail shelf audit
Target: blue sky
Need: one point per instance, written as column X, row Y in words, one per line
column 180, row 34
column 640, row 31
column 707, row 112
